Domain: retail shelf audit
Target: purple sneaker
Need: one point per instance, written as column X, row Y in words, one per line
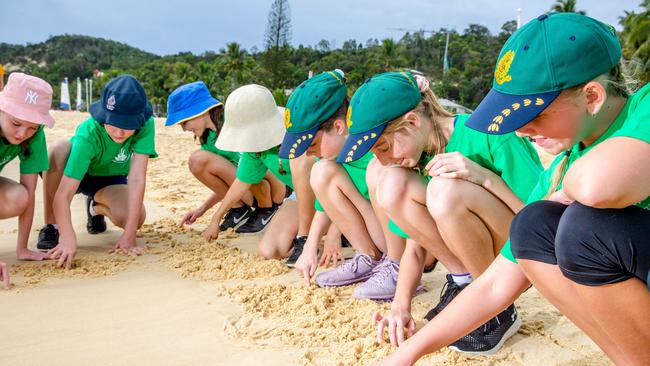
column 382, row 283
column 357, row 269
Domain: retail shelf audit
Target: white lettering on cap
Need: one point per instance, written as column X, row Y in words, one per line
column 31, row 97
column 110, row 103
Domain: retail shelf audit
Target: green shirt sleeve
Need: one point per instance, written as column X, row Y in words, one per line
column 81, row 154
column 35, row 161
column 519, row 165
column 144, row 142
column 251, row 168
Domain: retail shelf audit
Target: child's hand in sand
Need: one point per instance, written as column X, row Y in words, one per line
column 126, row 244
column 306, row 265
column 332, row 252
column 4, row 275
column 212, row 232
column 64, row 253
column 396, row 322
column 192, row 216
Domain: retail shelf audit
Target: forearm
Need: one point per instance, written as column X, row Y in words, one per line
column 62, row 215
column 234, row 194
column 496, row 289
column 498, row 187
column 319, row 226
column 135, row 194
column 410, row 273
column 210, row 202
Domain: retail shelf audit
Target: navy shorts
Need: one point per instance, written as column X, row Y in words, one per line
column 591, row 246
column 91, row 184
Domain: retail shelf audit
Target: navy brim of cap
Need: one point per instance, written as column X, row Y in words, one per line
column 357, row 145
column 501, row 113
column 191, row 112
column 295, row 144
column 123, row 121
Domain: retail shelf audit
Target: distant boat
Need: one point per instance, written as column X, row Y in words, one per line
column 65, row 95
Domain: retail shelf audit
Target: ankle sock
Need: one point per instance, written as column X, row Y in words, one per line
column 462, row 279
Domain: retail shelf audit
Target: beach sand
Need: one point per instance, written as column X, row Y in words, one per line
column 188, row 302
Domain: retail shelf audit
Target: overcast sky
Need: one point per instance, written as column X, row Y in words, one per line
column 168, row 27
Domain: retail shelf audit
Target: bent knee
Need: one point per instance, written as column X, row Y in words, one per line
column 391, row 187
column 198, row 160
column 322, row 173
column 444, row 195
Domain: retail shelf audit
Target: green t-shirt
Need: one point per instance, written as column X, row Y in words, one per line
column 357, row 172
column 632, row 121
column 93, row 152
column 512, row 158
column 253, row 167
column 33, row 161
column 233, row 157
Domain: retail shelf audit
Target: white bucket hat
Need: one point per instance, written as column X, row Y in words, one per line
column 253, row 122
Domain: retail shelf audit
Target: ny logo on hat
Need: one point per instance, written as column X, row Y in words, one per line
column 110, row 103
column 31, row 97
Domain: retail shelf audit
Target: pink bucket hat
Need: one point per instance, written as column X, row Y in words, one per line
column 28, row 98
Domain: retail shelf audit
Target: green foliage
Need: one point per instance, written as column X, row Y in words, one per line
column 636, row 39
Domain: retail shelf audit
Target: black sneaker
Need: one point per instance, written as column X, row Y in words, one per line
column 48, row 238
column 236, row 217
column 449, row 291
column 95, row 224
column 298, row 246
column 490, row 337
column 258, row 220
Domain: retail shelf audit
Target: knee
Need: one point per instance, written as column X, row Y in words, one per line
column 443, row 196
column 19, row 200
column 529, row 221
column 372, row 174
column 266, row 251
column 391, row 188
column 322, row 174
column 577, row 238
column 197, row 162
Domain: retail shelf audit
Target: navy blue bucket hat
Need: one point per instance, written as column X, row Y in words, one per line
column 189, row 101
column 123, row 104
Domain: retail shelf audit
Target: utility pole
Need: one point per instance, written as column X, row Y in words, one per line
column 518, row 18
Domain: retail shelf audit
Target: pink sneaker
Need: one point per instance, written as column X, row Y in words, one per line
column 357, row 269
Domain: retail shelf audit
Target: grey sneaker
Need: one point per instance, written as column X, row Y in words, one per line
column 357, row 269
column 382, row 283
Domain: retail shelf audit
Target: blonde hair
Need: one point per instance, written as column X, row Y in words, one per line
column 431, row 110
column 620, row 81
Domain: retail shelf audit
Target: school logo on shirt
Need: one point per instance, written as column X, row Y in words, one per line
column 503, row 67
column 110, row 103
column 121, row 157
column 31, row 97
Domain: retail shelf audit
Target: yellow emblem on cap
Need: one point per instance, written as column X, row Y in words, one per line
column 287, row 118
column 503, row 67
column 348, row 121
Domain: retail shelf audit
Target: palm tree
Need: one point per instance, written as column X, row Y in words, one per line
column 235, row 62
column 566, row 6
column 636, row 37
column 390, row 54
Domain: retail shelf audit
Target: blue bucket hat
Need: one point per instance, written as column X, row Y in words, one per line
column 123, row 104
column 189, row 101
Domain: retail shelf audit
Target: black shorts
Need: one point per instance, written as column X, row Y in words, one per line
column 91, row 184
column 591, row 246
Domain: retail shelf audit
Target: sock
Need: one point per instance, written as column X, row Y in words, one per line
column 462, row 279
column 91, row 209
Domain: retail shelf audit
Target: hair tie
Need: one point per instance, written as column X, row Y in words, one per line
column 423, row 83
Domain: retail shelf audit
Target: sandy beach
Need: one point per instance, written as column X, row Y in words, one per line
column 189, row 302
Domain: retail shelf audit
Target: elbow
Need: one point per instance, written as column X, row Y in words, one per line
column 594, row 194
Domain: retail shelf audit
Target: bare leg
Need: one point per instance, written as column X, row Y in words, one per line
column 58, row 156
column 277, row 241
column 472, row 222
column 402, row 194
column 14, row 198
column 215, row 172
column 300, row 172
column 112, row 202
column 347, row 208
column 395, row 244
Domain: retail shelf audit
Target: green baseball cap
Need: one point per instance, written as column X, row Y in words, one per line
column 309, row 106
column 549, row 54
column 379, row 100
